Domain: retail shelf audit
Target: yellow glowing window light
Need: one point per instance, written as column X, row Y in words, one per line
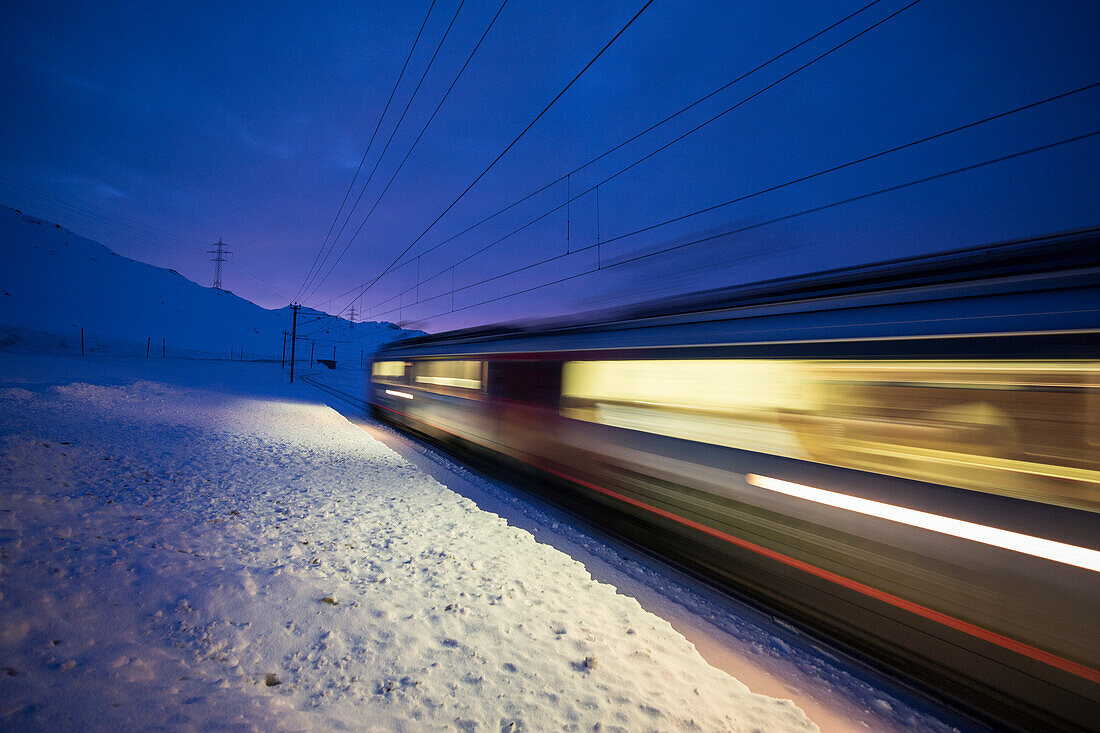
column 723, row 402
column 1025, row 428
column 463, row 374
column 388, row 369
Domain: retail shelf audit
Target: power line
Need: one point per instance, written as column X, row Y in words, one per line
column 652, row 127
column 322, row 317
column 512, row 144
column 98, row 223
column 99, row 219
column 738, row 230
column 590, row 189
column 367, row 149
column 712, row 119
column 393, row 133
column 776, row 187
column 411, row 148
column 268, row 286
column 95, row 222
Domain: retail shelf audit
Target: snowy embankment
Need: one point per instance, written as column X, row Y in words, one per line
column 182, row 557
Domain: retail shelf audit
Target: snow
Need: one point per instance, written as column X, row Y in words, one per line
column 182, row 552
column 192, row 543
column 770, row 656
column 53, row 283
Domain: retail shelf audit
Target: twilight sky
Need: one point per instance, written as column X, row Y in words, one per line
column 157, row 128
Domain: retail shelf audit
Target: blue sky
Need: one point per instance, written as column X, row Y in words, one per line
column 158, row 128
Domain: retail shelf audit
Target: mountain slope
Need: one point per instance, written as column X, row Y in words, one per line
column 56, row 282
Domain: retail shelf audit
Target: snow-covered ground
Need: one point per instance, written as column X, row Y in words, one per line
column 193, row 543
column 197, row 547
column 839, row 694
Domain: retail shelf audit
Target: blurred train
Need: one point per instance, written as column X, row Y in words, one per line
column 904, row 457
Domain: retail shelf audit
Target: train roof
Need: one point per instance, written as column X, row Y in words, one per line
column 1014, row 261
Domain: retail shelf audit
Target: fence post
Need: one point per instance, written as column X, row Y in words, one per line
column 163, row 349
column 148, row 343
column 82, row 341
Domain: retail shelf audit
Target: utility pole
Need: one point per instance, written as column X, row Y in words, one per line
column 293, row 339
column 219, row 253
column 311, row 345
column 284, row 348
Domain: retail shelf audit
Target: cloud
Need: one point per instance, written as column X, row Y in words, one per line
column 107, row 191
column 82, row 186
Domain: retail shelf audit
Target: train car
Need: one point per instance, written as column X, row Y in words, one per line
column 903, row 458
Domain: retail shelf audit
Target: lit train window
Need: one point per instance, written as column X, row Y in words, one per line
column 447, row 373
column 391, row 369
column 1028, row 429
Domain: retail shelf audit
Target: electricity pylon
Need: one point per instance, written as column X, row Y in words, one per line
column 219, row 253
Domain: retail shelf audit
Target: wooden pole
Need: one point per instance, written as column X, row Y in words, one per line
column 293, row 340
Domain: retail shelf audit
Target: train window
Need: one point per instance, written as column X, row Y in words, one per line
column 388, row 369
column 1020, row 428
column 449, row 373
column 537, row 382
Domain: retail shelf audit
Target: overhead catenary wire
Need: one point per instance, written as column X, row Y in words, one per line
column 411, row 148
column 389, row 140
column 366, row 150
column 698, row 127
column 712, row 237
column 514, row 141
column 712, row 119
column 649, row 129
column 768, row 189
column 629, row 140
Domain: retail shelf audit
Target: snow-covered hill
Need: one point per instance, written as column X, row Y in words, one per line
column 53, row 283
